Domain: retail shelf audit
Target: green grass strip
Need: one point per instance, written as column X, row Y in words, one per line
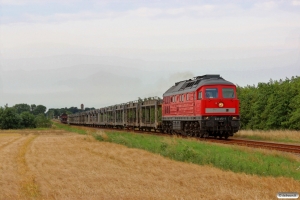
column 70, row 128
column 203, row 153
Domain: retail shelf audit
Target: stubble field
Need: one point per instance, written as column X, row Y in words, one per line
column 56, row 164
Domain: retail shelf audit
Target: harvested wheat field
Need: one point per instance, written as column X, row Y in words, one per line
column 55, row 164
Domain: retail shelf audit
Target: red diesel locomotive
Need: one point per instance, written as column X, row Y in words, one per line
column 64, row 118
column 202, row 107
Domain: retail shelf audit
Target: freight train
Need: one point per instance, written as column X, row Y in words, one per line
column 200, row 107
column 64, row 118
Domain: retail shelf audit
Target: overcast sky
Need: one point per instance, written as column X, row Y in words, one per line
column 64, row 53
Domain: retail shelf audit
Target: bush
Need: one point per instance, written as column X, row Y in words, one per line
column 42, row 122
column 9, row 118
column 28, row 120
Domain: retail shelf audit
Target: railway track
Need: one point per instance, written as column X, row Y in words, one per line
column 231, row 141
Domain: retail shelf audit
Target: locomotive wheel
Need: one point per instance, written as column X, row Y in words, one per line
column 226, row 136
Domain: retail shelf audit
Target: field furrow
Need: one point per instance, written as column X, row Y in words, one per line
column 7, row 141
column 29, row 186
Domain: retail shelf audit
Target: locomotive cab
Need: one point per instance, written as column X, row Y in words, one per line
column 219, row 108
column 211, row 107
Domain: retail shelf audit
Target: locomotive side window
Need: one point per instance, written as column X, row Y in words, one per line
column 211, row 93
column 200, row 95
column 187, row 97
column 228, row 93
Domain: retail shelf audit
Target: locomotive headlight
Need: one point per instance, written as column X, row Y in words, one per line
column 234, row 118
column 221, row 105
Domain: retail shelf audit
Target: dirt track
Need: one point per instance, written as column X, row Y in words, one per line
column 60, row 165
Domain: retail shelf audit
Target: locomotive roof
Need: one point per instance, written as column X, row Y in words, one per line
column 198, row 81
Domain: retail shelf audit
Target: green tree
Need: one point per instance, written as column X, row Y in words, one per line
column 40, row 109
column 272, row 105
column 27, row 120
column 22, row 107
column 247, row 96
column 56, row 113
column 32, row 107
column 74, row 110
column 87, row 109
column 9, row 118
column 50, row 114
column 42, row 121
column 293, row 118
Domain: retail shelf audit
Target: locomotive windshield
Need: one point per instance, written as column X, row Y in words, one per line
column 228, row 93
column 211, row 93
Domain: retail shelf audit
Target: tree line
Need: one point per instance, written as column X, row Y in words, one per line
column 54, row 113
column 272, row 105
column 267, row 106
column 23, row 116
